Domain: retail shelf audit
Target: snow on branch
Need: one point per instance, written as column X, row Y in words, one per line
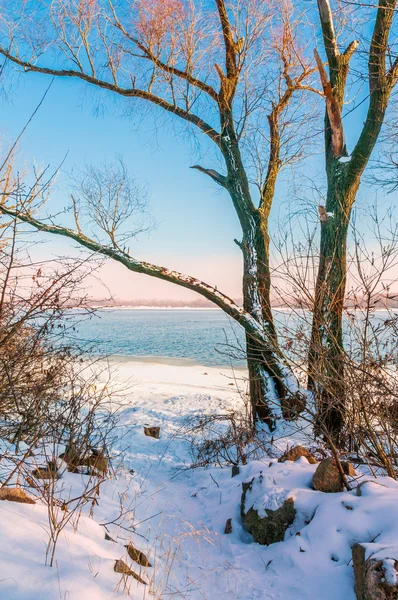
column 249, row 323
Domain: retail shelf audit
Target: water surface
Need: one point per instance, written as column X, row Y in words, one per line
column 207, row 337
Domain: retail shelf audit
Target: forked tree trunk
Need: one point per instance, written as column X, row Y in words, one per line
column 326, row 354
column 267, row 379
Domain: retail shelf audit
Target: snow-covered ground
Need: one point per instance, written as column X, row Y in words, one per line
column 177, row 515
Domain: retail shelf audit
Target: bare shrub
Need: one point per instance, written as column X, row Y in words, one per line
column 369, row 355
column 226, row 439
column 51, row 398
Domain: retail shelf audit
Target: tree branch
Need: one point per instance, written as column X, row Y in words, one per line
column 217, row 177
column 127, row 92
column 230, row 80
column 274, row 161
column 249, row 323
column 229, row 43
column 329, row 36
column 392, row 74
column 201, row 85
column 380, row 87
column 349, row 51
column 333, row 111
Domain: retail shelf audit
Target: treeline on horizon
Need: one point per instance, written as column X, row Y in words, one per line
column 380, row 301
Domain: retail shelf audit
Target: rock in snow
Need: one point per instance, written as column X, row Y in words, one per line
column 137, row 556
column 267, row 525
column 97, row 461
column 327, row 476
column 295, row 453
column 228, row 527
column 235, row 471
column 123, row 569
column 48, row 472
column 15, row 495
column 152, row 432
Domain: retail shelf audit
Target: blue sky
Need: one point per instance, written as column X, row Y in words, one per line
column 196, row 223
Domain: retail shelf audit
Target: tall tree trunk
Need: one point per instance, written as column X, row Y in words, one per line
column 267, row 381
column 256, row 301
column 326, row 355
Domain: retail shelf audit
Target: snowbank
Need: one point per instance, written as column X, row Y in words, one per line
column 177, row 516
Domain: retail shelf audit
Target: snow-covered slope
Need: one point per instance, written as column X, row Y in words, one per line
column 177, row 516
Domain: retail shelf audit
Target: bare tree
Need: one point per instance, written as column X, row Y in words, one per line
column 343, row 179
column 235, row 72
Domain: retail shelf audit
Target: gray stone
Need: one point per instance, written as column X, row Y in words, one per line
column 71, row 456
column 137, row 556
column 363, row 483
column 348, row 468
column 235, row 470
column 15, row 495
column 48, row 472
column 96, row 463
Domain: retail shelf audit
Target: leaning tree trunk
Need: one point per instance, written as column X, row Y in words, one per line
column 326, row 355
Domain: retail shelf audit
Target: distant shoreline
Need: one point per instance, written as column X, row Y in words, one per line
column 99, row 307
column 216, row 308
